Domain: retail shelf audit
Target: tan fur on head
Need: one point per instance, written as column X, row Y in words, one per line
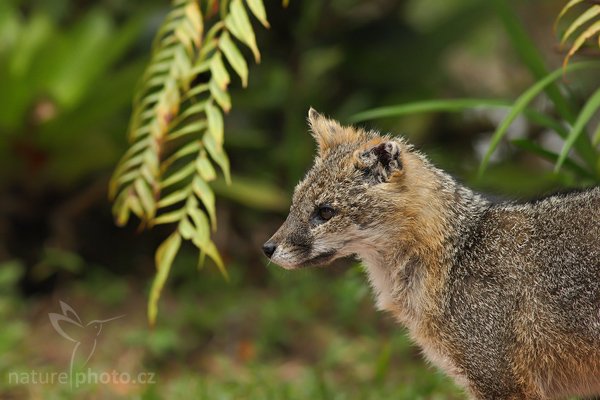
column 329, row 133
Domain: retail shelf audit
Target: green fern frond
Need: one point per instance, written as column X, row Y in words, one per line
column 586, row 27
column 176, row 130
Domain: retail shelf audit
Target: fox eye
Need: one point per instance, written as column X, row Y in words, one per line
column 325, row 213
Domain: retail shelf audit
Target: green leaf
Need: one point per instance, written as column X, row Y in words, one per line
column 134, row 205
column 582, row 19
column 258, row 9
column 535, row 148
column 215, row 123
column 587, row 112
column 190, row 148
column 202, row 228
column 456, row 105
column 146, row 197
column 596, row 136
column 191, row 110
column 120, row 209
column 211, row 250
column 195, row 127
column 206, row 195
column 173, row 198
column 127, row 165
column 205, row 168
column 566, row 8
column 522, row 102
column 218, row 71
column 221, row 97
column 234, row 57
column 585, row 35
column 186, row 229
column 217, row 154
column 239, row 24
column 182, row 174
column 450, row 105
column 165, row 254
column 529, row 53
column 168, row 218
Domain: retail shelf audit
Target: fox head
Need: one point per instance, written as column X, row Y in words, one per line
column 344, row 204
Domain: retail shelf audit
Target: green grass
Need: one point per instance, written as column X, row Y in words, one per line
column 311, row 334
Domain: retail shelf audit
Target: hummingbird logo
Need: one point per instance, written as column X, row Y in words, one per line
column 85, row 336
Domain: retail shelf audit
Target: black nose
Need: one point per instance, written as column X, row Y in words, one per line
column 269, row 248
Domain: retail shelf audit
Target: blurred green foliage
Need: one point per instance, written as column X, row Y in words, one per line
column 62, row 88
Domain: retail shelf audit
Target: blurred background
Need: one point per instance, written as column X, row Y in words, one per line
column 68, row 70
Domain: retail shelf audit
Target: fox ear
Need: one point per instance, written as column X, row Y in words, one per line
column 381, row 162
column 327, row 132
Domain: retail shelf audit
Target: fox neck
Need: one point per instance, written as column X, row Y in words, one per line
column 415, row 247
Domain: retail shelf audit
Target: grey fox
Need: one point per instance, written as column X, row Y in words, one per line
column 505, row 298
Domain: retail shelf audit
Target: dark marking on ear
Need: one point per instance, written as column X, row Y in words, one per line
column 381, row 161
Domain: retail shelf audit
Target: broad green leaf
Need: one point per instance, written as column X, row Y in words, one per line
column 587, row 112
column 217, row 154
column 221, row 97
column 165, row 254
column 234, row 57
column 239, row 24
column 215, row 123
column 258, row 9
column 218, row 71
column 585, row 35
column 206, row 195
column 523, row 101
column 582, row 19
